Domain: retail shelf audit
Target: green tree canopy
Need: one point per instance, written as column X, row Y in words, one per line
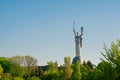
column 5, row 63
column 1, row 71
column 77, row 75
column 51, row 73
column 112, row 56
column 68, row 69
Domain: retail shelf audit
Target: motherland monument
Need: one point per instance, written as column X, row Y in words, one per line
column 78, row 45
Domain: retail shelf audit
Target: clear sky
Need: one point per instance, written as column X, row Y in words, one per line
column 44, row 28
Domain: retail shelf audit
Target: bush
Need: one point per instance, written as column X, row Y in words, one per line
column 7, row 76
column 18, row 78
column 33, row 78
column 5, row 79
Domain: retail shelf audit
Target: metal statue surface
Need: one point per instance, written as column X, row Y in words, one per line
column 78, row 45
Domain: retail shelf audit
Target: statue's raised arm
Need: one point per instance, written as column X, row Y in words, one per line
column 81, row 31
column 74, row 31
column 74, row 28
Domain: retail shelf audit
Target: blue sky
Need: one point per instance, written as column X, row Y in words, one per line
column 43, row 28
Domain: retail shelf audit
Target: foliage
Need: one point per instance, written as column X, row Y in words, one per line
column 89, row 63
column 84, row 70
column 31, row 65
column 18, row 78
column 5, row 63
column 1, row 71
column 25, row 68
column 40, row 72
column 68, row 70
column 23, row 65
column 52, row 67
column 61, row 72
column 7, row 76
column 76, row 71
column 112, row 56
column 33, row 78
column 106, row 71
column 52, row 72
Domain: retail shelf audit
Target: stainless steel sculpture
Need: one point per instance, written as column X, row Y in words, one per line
column 78, row 44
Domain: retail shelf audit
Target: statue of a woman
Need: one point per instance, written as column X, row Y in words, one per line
column 78, row 37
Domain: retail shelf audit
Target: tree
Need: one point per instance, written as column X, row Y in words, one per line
column 76, row 71
column 7, row 76
column 68, row 69
column 61, row 72
column 89, row 63
column 23, row 65
column 84, row 70
column 106, row 71
column 40, row 72
column 1, row 71
column 31, row 65
column 52, row 72
column 112, row 56
column 18, row 78
column 34, row 78
column 5, row 63
column 16, row 62
column 52, row 68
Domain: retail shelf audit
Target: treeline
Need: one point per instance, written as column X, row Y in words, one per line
column 26, row 68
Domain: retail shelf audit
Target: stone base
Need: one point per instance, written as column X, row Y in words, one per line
column 77, row 58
